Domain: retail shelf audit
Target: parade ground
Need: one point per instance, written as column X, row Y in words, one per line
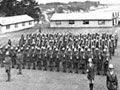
column 48, row 80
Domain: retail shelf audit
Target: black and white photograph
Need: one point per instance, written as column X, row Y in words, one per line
column 59, row 44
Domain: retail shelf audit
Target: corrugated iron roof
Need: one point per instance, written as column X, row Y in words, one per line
column 82, row 16
column 15, row 19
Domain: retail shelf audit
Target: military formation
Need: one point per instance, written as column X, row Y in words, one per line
column 61, row 52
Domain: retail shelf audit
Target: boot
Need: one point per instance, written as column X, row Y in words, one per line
column 39, row 68
column 23, row 67
column 76, row 71
column 45, row 69
column 70, row 71
column 19, row 73
column 58, row 70
column 64, row 70
column 91, row 86
column 8, row 77
column 12, row 66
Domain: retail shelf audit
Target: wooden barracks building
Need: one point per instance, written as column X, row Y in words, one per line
column 91, row 19
column 15, row 23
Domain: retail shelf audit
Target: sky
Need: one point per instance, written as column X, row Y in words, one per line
column 65, row 1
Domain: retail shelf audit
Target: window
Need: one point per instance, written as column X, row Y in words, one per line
column 101, row 22
column 23, row 24
column 30, row 23
column 85, row 22
column 58, row 22
column 71, row 22
column 8, row 27
column 16, row 25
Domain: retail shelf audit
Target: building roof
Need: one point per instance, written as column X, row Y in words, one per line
column 15, row 19
column 82, row 16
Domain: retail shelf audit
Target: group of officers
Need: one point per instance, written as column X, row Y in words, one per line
column 56, row 52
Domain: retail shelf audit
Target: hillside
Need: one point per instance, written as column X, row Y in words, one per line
column 57, row 7
column 71, row 6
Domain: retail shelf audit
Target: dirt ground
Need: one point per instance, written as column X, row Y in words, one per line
column 46, row 80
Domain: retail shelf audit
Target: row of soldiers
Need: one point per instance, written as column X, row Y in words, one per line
column 65, row 52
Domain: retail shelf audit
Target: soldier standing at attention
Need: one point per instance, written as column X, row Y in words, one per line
column 90, row 73
column 112, row 81
column 8, row 64
column 9, row 42
column 19, row 61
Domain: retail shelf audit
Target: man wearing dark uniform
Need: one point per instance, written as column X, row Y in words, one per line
column 24, row 57
column 90, row 73
column 8, row 64
column 9, row 42
column 39, row 60
column 76, row 61
column 112, row 81
column 57, row 60
column 28, row 58
column 70, row 62
column 33, row 59
column 51, row 60
column 97, row 61
column 19, row 61
column 1, row 57
column 104, row 57
column 13, row 56
column 82, row 62
column 45, row 60
column 64, row 62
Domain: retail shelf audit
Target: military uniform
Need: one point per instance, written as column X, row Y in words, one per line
column 1, row 57
column 45, row 61
column 24, row 58
column 64, row 63
column 19, row 61
column 39, row 56
column 97, row 62
column 82, row 62
column 8, row 65
column 76, row 61
column 28, row 59
column 91, row 74
column 13, row 57
column 111, row 80
column 57, row 61
column 104, row 58
column 70, row 62
column 9, row 42
column 33, row 59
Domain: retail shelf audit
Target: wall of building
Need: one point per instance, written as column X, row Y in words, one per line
column 0, row 29
column 108, row 23
column 17, row 27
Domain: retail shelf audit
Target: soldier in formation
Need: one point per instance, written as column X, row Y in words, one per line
column 72, row 52
column 19, row 61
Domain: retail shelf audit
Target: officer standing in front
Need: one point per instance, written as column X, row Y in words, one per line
column 90, row 73
column 112, row 81
column 8, row 64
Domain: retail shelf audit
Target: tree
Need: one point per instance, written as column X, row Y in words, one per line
column 31, row 8
column 7, row 6
column 60, row 9
column 14, row 7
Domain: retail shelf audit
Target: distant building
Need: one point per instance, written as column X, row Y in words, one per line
column 15, row 23
column 91, row 19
